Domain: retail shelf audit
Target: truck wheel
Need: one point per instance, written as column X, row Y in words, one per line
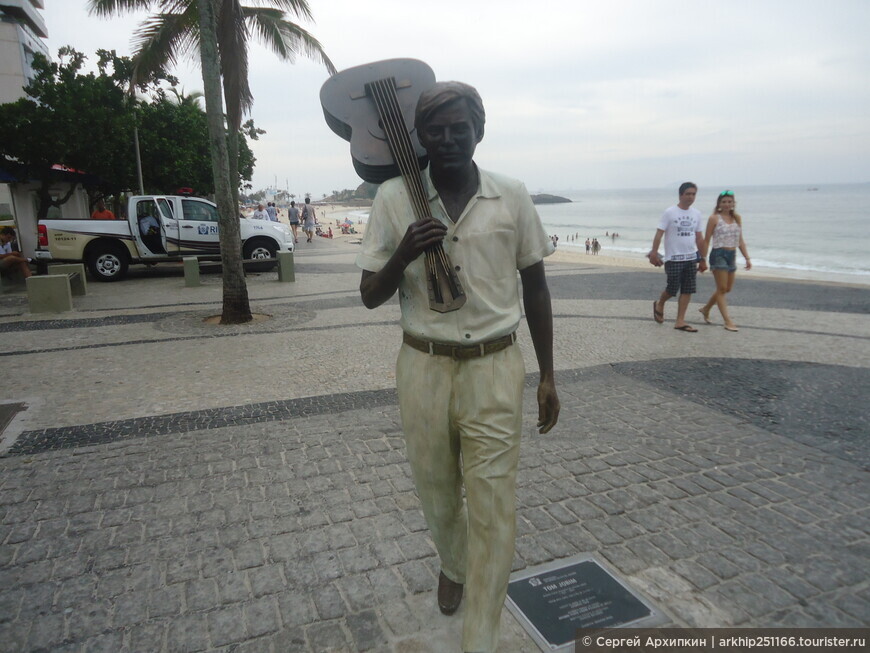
column 261, row 249
column 108, row 262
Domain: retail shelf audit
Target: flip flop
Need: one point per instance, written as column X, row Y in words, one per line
column 706, row 316
column 731, row 328
column 658, row 316
column 687, row 328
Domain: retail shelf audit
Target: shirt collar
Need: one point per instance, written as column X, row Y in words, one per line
column 486, row 188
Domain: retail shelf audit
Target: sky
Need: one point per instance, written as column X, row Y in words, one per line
column 579, row 94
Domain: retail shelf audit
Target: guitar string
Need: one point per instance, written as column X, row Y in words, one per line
column 418, row 184
column 409, row 161
column 403, row 156
column 400, row 149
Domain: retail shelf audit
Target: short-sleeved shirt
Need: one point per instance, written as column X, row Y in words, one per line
column 260, row 215
column 680, row 226
column 6, row 248
column 293, row 214
column 147, row 223
column 273, row 213
column 498, row 233
column 105, row 214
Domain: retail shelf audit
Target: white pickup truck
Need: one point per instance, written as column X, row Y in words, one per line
column 158, row 228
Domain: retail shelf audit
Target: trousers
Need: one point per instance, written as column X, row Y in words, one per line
column 462, row 421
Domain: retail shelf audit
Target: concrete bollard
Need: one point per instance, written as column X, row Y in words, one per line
column 49, row 293
column 286, row 271
column 78, row 283
column 191, row 271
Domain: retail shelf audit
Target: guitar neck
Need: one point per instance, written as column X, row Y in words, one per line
column 383, row 93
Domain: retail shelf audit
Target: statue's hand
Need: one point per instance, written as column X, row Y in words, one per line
column 548, row 405
column 420, row 236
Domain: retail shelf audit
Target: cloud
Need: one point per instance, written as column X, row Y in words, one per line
column 582, row 94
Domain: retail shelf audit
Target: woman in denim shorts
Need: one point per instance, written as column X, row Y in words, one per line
column 724, row 236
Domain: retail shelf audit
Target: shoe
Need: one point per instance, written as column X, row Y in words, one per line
column 449, row 594
column 687, row 328
column 729, row 327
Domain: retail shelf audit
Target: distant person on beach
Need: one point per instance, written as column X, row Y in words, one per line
column 724, row 236
column 459, row 375
column 293, row 216
column 101, row 212
column 680, row 226
column 260, row 213
column 588, row 245
column 272, row 211
column 308, row 219
column 596, row 247
column 12, row 259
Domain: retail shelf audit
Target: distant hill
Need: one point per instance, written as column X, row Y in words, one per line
column 544, row 198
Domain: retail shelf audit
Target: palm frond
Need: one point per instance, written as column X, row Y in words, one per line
column 285, row 38
column 298, row 8
column 112, row 7
column 163, row 39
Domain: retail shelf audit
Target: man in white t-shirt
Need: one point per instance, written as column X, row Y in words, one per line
column 12, row 259
column 260, row 213
column 684, row 244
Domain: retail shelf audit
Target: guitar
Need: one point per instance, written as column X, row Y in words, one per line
column 373, row 106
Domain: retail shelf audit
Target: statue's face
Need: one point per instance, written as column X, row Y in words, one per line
column 449, row 136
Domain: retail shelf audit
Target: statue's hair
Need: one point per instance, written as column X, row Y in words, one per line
column 443, row 93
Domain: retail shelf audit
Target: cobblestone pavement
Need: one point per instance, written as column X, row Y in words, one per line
column 177, row 487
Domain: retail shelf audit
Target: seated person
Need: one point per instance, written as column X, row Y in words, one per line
column 10, row 259
column 149, row 227
column 102, row 213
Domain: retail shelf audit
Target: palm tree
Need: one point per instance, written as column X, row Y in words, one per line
column 187, row 99
column 236, row 307
column 175, row 31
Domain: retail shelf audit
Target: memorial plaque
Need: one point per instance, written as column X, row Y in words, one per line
column 554, row 600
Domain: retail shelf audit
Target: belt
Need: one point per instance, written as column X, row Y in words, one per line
column 460, row 352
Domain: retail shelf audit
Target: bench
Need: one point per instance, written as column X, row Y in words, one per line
column 192, row 266
column 52, row 292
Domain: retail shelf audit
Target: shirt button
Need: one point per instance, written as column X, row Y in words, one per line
column 468, row 335
column 457, row 268
column 455, row 239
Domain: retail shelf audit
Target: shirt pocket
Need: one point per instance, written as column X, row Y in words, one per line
column 490, row 255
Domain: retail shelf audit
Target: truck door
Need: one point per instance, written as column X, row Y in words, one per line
column 147, row 227
column 170, row 226
column 198, row 227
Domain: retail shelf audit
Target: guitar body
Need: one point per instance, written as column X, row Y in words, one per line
column 351, row 113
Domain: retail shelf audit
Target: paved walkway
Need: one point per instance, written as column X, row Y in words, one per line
column 174, row 486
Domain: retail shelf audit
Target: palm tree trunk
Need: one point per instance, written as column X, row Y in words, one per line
column 233, row 151
column 236, row 307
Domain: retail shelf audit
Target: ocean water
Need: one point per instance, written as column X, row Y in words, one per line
column 812, row 232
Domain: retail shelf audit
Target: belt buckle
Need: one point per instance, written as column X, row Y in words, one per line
column 460, row 353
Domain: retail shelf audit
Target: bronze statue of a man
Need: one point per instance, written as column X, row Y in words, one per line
column 459, row 374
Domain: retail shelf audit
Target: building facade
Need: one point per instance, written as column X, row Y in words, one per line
column 22, row 34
